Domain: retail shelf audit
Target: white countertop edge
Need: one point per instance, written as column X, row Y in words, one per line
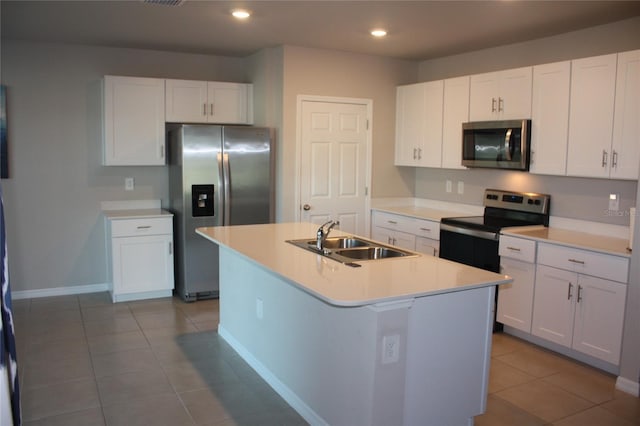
column 356, row 303
column 462, row 209
column 136, row 214
column 596, row 228
column 517, row 232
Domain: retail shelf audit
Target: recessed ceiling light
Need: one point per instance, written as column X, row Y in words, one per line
column 378, row 32
column 240, row 13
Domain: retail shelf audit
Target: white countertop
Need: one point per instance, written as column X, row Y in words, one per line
column 570, row 238
column 375, row 282
column 420, row 212
column 135, row 214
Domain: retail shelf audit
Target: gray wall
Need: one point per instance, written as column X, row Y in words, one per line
column 52, row 199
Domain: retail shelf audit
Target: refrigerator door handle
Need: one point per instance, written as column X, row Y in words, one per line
column 226, row 220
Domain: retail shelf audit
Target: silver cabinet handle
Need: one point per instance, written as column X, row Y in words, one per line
column 569, row 291
column 426, row 229
column 514, row 248
column 579, row 262
column 493, row 104
column 579, row 293
column 614, row 159
column 144, row 227
column 500, row 104
column 419, row 153
column 415, row 150
column 604, row 158
column 389, row 240
column 204, row 109
column 211, row 108
column 393, row 222
column 170, row 248
column 161, row 151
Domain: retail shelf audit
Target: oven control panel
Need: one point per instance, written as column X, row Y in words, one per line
column 523, row 201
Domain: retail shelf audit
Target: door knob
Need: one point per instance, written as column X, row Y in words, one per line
column 306, row 207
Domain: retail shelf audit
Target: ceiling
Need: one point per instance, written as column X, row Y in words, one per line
column 418, row 30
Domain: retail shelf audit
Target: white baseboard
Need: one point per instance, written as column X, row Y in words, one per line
column 283, row 390
column 59, row 291
column 628, row 386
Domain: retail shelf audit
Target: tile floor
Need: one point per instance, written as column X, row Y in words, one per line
column 85, row 361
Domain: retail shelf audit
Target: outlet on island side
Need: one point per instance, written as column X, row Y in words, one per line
column 128, row 184
column 390, row 349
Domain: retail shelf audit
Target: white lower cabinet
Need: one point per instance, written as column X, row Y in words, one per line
column 515, row 300
column 411, row 233
column 141, row 258
column 576, row 310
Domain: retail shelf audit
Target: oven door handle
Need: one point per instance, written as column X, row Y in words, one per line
column 487, row 235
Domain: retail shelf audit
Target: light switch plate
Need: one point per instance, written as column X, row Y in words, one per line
column 460, row 187
column 614, row 202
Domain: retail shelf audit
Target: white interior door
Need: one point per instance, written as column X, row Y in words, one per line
column 334, row 164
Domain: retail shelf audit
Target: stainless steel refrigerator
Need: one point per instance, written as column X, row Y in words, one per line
column 218, row 175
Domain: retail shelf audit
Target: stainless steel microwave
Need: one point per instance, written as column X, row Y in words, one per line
column 497, row 144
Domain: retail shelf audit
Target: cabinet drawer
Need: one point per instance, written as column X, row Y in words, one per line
column 393, row 221
column 135, row 227
column 601, row 265
column 517, row 248
column 426, row 228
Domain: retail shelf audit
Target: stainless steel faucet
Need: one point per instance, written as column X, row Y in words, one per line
column 322, row 233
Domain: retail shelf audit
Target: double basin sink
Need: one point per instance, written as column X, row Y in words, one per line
column 350, row 249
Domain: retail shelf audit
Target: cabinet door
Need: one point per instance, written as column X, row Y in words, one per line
column 591, row 116
column 514, row 94
column 410, row 124
column 455, row 111
column 553, row 304
column 228, row 103
column 427, row 246
column 404, row 240
column 550, row 118
column 133, row 121
column 599, row 318
column 626, row 120
column 515, row 300
column 483, row 97
column 142, row 264
column 383, row 235
column 186, row 101
column 430, row 153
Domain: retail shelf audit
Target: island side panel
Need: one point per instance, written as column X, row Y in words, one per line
column 323, row 359
column 448, row 357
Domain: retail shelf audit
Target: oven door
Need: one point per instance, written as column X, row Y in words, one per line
column 469, row 246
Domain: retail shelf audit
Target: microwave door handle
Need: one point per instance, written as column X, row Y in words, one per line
column 507, row 144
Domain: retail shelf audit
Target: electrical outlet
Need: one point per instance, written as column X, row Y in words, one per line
column 390, row 349
column 128, row 184
column 460, row 187
column 449, row 186
column 614, row 202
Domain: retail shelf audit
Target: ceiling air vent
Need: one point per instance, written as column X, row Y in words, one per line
column 165, row 2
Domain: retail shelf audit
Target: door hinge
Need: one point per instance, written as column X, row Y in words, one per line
column 366, row 190
column 367, row 124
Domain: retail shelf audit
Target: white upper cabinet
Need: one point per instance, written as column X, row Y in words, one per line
column 419, row 124
column 455, row 112
column 133, row 121
column 190, row 101
column 625, row 148
column 550, row 118
column 502, row 95
column 593, row 82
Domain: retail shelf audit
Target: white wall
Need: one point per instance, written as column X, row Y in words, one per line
column 52, row 198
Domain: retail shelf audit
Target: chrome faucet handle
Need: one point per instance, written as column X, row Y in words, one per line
column 322, row 234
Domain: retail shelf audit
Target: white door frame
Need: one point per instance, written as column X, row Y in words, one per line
column 333, row 99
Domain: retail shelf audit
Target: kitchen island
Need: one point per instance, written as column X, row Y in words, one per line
column 402, row 341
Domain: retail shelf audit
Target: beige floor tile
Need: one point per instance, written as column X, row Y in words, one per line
column 105, row 312
column 171, row 318
column 216, row 404
column 624, row 405
column 60, row 398
column 128, row 387
column 88, row 417
column 55, row 331
column 109, row 343
column 588, row 383
column 536, row 362
column 188, row 376
column 46, row 352
column 207, row 325
column 55, row 303
column 503, row 343
column 114, row 325
column 37, row 374
column 154, row 305
column 114, row 363
column 501, row 413
column 544, row 400
column 595, row 416
column 156, row 410
column 503, row 376
column 94, row 299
